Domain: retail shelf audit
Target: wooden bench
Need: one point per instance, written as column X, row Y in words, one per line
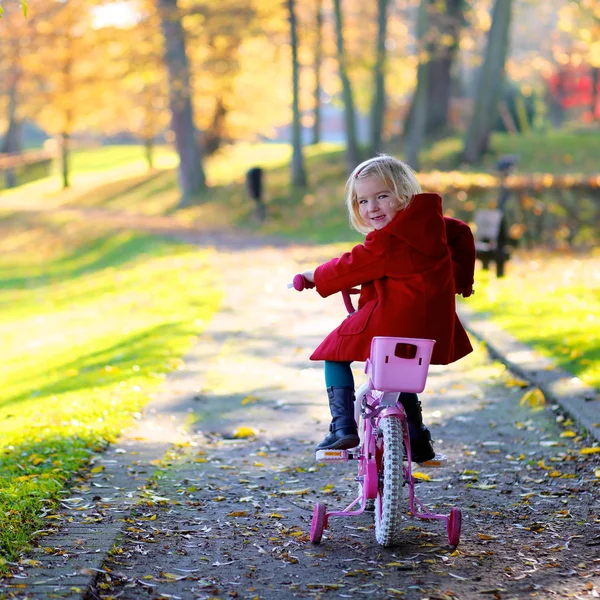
column 491, row 239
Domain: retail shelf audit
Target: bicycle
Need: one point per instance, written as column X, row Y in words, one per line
column 395, row 365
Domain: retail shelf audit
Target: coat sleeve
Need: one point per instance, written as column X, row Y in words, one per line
column 364, row 263
column 462, row 249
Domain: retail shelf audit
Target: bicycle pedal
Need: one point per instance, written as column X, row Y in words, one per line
column 439, row 460
column 332, row 455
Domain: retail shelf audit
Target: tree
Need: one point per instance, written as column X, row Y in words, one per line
column 316, row 130
column 191, row 171
column 378, row 103
column 64, row 61
column 352, row 151
column 445, row 29
column 298, row 172
column 417, row 121
column 491, row 80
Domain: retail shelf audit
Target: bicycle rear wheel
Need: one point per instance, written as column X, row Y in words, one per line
column 389, row 502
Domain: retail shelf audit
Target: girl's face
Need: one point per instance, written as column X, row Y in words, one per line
column 374, row 198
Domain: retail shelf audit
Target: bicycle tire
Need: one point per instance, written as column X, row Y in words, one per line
column 318, row 524
column 454, row 526
column 389, row 501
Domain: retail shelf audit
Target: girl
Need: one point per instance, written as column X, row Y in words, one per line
column 410, row 266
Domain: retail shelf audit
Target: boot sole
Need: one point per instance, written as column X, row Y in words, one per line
column 343, row 444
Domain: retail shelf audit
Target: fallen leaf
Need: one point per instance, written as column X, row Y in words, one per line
column 534, row 398
column 244, row 432
column 591, row 450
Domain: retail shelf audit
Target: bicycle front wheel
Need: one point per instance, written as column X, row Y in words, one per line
column 389, row 502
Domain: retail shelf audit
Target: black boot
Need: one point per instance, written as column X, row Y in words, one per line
column 420, row 439
column 343, row 433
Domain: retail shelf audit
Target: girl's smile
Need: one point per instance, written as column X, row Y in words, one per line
column 374, row 202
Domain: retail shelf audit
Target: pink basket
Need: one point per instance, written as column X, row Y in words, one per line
column 399, row 364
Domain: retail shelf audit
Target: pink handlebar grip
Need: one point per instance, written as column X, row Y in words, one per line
column 301, row 283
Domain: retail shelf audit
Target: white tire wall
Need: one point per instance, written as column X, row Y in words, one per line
column 390, row 503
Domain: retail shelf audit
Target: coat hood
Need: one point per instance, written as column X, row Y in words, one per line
column 421, row 225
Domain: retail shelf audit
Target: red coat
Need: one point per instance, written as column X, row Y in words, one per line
column 407, row 277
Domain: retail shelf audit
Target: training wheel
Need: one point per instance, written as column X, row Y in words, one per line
column 454, row 526
column 319, row 522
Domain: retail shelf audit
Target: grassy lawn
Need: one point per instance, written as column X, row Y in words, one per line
column 551, row 303
column 108, row 157
column 90, row 324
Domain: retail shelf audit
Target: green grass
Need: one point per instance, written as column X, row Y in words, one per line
column 555, row 152
column 551, row 303
column 108, row 157
column 91, row 322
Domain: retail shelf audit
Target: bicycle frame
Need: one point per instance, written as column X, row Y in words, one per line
column 379, row 407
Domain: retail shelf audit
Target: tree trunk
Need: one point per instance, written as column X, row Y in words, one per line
column 378, row 103
column 149, row 152
column 352, row 151
column 191, row 172
column 298, row 172
column 446, row 29
column 65, row 142
column 11, row 143
column 417, row 122
column 443, row 36
column 491, row 80
column 316, row 131
column 214, row 134
column 595, row 93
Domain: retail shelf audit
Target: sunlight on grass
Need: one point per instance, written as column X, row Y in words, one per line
column 551, row 303
column 90, row 324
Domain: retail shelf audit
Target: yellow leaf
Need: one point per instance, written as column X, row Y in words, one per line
column 534, row 398
column 244, row 432
column 485, row 536
column 542, row 465
column 597, row 473
column 295, row 492
column 554, row 474
column 421, row 476
column 591, row 450
column 515, row 382
column 261, row 454
column 568, row 434
column 249, row 400
column 276, row 516
column 238, row 513
column 97, row 469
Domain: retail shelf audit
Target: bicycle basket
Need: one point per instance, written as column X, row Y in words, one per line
column 399, row 364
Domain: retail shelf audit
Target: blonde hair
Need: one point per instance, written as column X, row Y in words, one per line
column 397, row 176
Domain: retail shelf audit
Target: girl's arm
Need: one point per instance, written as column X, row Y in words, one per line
column 364, row 263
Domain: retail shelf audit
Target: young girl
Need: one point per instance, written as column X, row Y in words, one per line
column 411, row 265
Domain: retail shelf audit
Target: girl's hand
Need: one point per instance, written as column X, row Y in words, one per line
column 309, row 276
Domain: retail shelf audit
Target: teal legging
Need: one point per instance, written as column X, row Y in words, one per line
column 338, row 374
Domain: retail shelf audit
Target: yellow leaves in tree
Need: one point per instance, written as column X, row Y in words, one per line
column 534, row 398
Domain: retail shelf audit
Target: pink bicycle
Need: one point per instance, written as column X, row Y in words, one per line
column 395, row 365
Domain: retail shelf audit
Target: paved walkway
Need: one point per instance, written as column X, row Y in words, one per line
column 184, row 509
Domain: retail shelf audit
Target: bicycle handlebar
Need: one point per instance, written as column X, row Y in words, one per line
column 300, row 283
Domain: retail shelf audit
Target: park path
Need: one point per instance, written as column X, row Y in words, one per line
column 181, row 508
